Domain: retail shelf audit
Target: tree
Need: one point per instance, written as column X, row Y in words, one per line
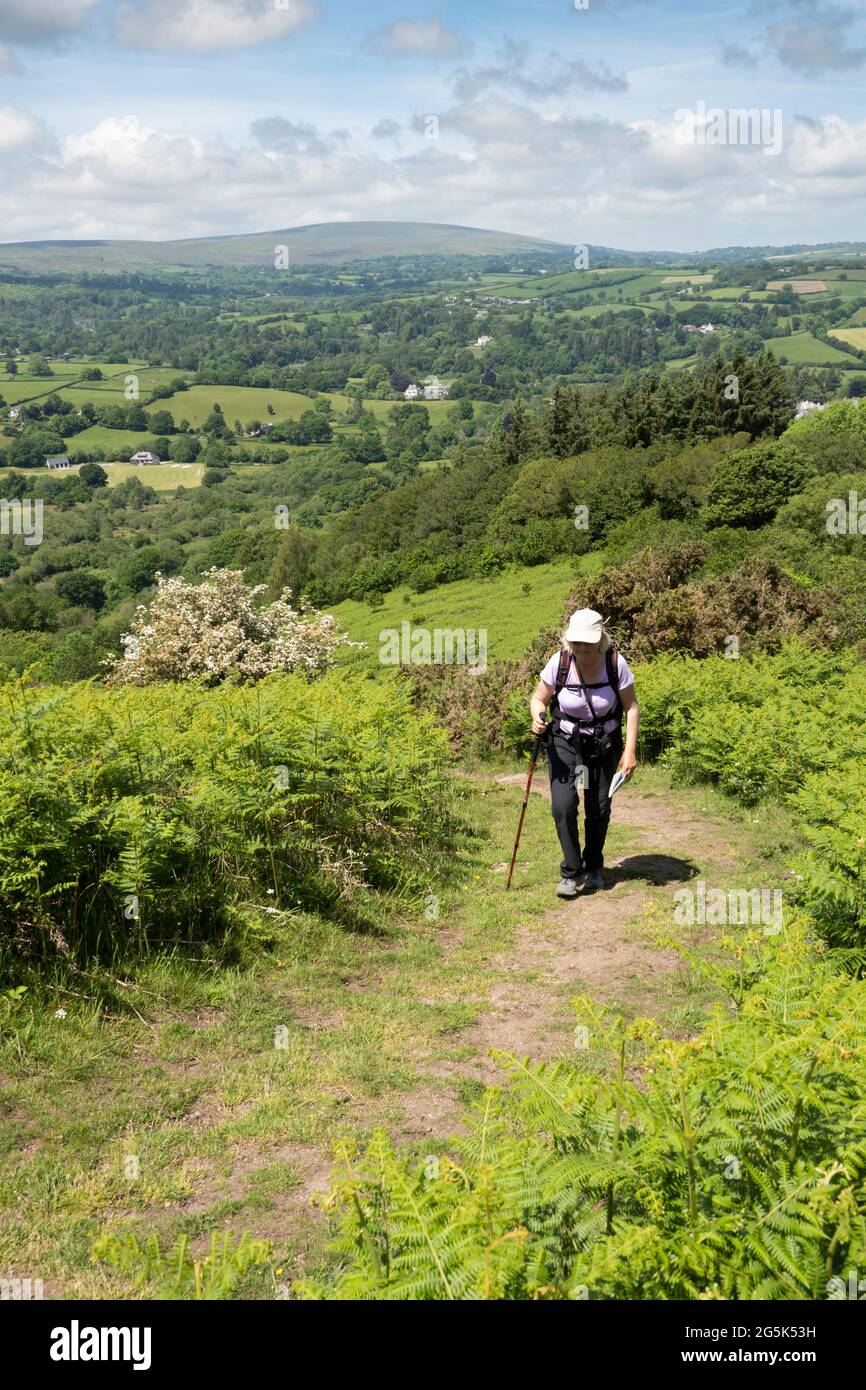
column 565, row 431
column 216, row 455
column 184, row 448
column 162, row 422
column 93, row 475
column 32, row 448
column 291, row 567
column 214, row 631
column 81, row 589
column 215, row 425
column 11, row 367
column 138, row 570
column 750, row 485
column 516, row 433
column 40, row 366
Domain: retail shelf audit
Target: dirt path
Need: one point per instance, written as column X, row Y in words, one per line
column 595, row 944
column 497, row 973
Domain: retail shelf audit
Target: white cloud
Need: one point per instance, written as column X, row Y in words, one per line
column 210, row 26
column 121, row 158
column 496, row 164
column 38, row 21
column 21, row 133
column 415, row 38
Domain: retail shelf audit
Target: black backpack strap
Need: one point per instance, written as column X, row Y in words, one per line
column 562, row 670
column 613, row 681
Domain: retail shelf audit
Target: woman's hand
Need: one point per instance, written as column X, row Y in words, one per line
column 627, row 764
column 539, row 724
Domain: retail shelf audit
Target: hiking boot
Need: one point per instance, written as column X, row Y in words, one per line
column 566, row 888
column 594, row 879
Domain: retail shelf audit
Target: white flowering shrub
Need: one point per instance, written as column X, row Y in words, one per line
column 213, row 631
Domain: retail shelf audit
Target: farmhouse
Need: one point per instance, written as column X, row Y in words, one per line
column 411, row 391
column 144, row 457
column 58, row 461
column 435, row 391
column 483, row 340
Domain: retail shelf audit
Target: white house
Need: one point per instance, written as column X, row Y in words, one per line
column 483, row 340
column 58, row 461
column 144, row 457
column 411, row 392
column 15, row 412
column 808, row 408
column 435, row 391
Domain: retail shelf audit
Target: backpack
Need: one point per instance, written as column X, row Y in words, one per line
column 612, row 670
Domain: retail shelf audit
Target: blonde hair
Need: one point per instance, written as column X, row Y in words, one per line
column 604, row 645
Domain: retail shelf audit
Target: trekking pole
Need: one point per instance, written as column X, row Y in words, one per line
column 536, row 748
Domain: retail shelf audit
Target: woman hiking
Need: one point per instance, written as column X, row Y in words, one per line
column 588, row 686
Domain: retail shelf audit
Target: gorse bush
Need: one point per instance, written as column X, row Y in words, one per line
column 732, row 1166
column 178, row 812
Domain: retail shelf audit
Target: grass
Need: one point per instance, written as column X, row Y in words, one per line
column 686, row 279
column 242, row 403
column 498, row 605
column 246, row 403
column 183, row 1074
column 119, row 445
column 161, row 476
column 856, row 337
column 805, row 350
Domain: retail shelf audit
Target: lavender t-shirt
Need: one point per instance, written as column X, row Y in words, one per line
column 572, row 701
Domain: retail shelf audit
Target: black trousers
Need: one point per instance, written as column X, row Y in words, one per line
column 565, row 756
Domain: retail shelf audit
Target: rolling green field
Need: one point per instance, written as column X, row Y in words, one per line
column 242, row 403
column 807, row 351
column 119, row 444
column 498, row 605
column 14, row 389
column 687, row 279
column 855, row 336
column 162, row 476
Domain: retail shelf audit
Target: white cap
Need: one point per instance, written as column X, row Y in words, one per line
column 585, row 626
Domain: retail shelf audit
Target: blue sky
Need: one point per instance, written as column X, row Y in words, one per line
column 161, row 118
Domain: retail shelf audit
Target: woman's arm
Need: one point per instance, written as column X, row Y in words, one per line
column 628, row 761
column 539, row 700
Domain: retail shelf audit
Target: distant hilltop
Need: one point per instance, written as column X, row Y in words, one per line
column 323, row 243
column 336, row 243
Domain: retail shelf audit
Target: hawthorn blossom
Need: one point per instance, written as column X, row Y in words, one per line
column 213, row 631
